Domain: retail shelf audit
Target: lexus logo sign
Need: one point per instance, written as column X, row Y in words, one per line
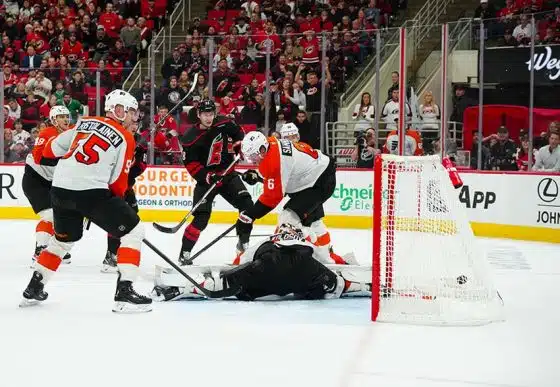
column 548, row 190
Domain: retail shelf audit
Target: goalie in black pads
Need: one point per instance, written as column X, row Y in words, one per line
column 209, row 148
column 284, row 264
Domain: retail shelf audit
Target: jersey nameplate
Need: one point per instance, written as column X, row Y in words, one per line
column 100, row 128
column 286, row 147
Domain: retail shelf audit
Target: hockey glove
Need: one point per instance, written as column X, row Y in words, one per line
column 236, row 147
column 251, row 177
column 244, row 224
column 212, row 178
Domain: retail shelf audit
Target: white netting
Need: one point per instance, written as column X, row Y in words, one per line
column 430, row 269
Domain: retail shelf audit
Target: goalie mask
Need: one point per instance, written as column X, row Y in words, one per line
column 288, row 232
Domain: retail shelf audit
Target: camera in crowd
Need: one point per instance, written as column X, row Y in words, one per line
column 360, row 136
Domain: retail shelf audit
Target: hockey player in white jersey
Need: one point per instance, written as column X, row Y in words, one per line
column 38, row 175
column 284, row 264
column 90, row 181
column 290, row 132
column 304, row 174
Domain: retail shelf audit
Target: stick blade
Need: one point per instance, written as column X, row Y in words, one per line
column 167, row 230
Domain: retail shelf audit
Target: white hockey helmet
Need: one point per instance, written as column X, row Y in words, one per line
column 120, row 97
column 289, row 129
column 253, row 146
column 58, row 110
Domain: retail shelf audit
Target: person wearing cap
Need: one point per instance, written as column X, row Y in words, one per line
column 143, row 94
column 103, row 42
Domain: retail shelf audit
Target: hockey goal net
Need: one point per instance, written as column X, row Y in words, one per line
column 426, row 267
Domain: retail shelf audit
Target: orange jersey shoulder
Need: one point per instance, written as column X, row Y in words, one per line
column 270, row 169
column 41, row 141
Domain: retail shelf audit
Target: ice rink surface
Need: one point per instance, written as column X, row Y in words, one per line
column 74, row 340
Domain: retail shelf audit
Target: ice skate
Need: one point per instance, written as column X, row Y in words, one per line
column 34, row 292
column 184, row 258
column 128, row 301
column 109, row 263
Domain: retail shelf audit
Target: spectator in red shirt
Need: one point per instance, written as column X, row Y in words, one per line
column 111, row 21
column 227, row 107
column 310, row 45
column 522, row 155
column 72, row 49
column 10, row 79
column 45, row 108
column 8, row 121
column 30, row 115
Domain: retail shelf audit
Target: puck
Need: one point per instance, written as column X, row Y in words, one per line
column 462, row 279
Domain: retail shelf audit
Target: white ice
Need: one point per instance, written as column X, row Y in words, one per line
column 74, row 340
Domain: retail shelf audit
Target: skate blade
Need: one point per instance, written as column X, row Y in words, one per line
column 25, row 303
column 127, row 307
column 109, row 269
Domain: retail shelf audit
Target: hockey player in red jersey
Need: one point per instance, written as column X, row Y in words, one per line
column 208, row 149
column 304, row 174
column 90, row 180
column 37, row 178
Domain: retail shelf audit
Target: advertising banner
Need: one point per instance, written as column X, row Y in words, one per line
column 11, row 193
column 513, row 65
column 527, row 205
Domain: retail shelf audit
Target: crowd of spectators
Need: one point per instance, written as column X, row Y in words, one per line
column 231, row 43
column 509, row 23
column 502, row 153
column 52, row 50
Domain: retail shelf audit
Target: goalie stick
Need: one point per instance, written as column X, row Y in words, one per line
column 174, row 229
column 227, row 292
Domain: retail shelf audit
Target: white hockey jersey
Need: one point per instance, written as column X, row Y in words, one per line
column 390, row 113
column 289, row 168
column 97, row 153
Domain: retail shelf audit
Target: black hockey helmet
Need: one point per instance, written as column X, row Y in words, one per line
column 207, row 106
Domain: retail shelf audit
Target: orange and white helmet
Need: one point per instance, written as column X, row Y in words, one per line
column 120, row 97
column 58, row 110
column 254, row 146
column 288, row 130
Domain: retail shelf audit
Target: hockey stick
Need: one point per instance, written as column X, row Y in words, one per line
column 193, row 86
column 228, row 292
column 212, row 243
column 174, row 229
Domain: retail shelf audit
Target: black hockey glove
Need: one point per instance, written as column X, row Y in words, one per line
column 212, row 178
column 251, row 177
column 244, row 224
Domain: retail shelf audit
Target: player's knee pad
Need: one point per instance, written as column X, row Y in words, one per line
column 133, row 239
column 46, row 215
column 290, row 217
column 59, row 248
column 200, row 220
